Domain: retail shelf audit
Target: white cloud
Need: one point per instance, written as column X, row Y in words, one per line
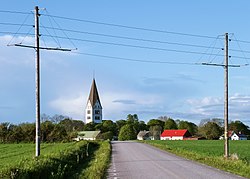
column 239, row 107
column 113, row 107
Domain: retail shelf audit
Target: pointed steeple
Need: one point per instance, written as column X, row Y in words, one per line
column 94, row 96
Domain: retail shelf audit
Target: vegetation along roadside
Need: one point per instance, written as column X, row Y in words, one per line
column 210, row 152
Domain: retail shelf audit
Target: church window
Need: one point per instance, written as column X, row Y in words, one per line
column 88, row 117
column 97, row 117
column 97, row 111
column 88, row 111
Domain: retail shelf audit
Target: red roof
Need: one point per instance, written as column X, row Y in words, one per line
column 175, row 133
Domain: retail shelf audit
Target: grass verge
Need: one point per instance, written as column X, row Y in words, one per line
column 84, row 159
column 210, row 153
column 99, row 162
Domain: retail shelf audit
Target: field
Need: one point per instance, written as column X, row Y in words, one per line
column 12, row 154
column 57, row 160
column 211, row 153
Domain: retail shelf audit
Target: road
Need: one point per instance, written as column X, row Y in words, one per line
column 136, row 160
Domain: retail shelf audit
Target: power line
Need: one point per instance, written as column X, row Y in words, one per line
column 14, row 12
column 15, row 24
column 131, row 38
column 136, row 60
column 137, row 46
column 130, row 27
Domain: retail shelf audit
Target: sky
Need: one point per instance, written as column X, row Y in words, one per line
column 145, row 56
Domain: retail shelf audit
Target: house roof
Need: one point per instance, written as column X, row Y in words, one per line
column 88, row 134
column 94, row 96
column 142, row 133
column 174, row 133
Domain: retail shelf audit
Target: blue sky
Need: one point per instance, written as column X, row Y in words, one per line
column 187, row 92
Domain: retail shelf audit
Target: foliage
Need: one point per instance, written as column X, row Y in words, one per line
column 238, row 126
column 53, row 164
column 127, row 132
column 170, row 124
column 191, row 127
column 210, row 152
column 210, row 130
column 99, row 163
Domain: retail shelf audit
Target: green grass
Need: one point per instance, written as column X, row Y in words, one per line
column 59, row 160
column 99, row 163
column 12, row 154
column 211, row 153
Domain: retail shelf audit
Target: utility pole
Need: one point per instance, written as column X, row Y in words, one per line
column 37, row 49
column 226, row 144
column 225, row 66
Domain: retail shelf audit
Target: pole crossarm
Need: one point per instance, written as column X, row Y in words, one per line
column 41, row 48
column 222, row 65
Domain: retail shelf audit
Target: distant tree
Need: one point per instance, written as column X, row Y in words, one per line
column 170, row 124
column 46, row 129
column 89, row 127
column 156, row 131
column 127, row 132
column 191, row 127
column 58, row 134
column 155, row 122
column 28, row 130
column 4, row 131
column 71, row 125
column 239, row 126
column 143, row 126
column 210, row 130
column 106, row 136
column 218, row 121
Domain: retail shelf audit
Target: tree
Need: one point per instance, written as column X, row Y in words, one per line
column 4, row 131
column 106, row 135
column 170, row 124
column 210, row 130
column 238, row 126
column 155, row 122
column 156, row 131
column 156, row 128
column 127, row 132
column 191, row 127
column 28, row 130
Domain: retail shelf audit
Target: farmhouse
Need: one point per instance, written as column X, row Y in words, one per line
column 238, row 136
column 144, row 135
column 232, row 135
column 87, row 135
column 180, row 134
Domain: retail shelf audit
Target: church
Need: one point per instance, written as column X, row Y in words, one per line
column 93, row 111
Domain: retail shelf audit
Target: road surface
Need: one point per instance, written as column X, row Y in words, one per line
column 136, row 160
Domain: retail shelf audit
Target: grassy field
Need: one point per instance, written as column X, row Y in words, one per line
column 12, row 154
column 211, row 153
column 57, row 160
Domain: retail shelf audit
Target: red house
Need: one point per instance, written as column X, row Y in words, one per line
column 179, row 134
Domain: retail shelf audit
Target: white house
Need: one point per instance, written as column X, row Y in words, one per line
column 239, row 136
column 87, row 135
column 93, row 112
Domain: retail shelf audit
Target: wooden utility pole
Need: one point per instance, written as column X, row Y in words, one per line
column 226, row 144
column 37, row 49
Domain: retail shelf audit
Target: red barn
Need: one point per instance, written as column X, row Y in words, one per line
column 179, row 134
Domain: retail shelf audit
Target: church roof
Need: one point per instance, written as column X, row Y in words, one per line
column 93, row 96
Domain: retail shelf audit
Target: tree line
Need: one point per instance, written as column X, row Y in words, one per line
column 60, row 128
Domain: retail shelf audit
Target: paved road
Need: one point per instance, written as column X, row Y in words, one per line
column 140, row 161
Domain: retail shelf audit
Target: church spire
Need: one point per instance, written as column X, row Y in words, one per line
column 94, row 96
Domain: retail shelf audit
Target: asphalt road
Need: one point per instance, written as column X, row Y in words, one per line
column 140, row 161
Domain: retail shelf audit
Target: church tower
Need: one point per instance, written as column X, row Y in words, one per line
column 93, row 111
